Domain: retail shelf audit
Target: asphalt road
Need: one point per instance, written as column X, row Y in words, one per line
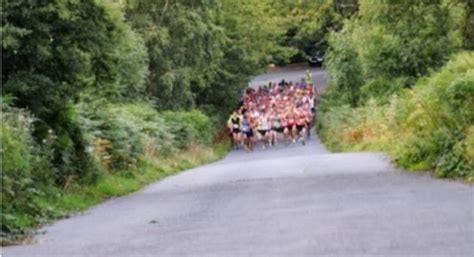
column 286, row 201
column 294, row 73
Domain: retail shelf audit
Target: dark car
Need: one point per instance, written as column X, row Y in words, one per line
column 315, row 60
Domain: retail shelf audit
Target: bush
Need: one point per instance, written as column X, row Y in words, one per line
column 122, row 134
column 344, row 68
column 115, row 134
column 26, row 169
column 189, row 127
column 71, row 157
column 429, row 126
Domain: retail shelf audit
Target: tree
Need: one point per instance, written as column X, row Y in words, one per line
column 469, row 27
column 251, row 41
column 202, row 53
column 183, row 48
column 308, row 23
column 54, row 51
column 395, row 43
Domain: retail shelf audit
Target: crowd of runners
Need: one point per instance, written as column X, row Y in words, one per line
column 275, row 113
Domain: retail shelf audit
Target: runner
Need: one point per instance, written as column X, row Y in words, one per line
column 247, row 132
column 234, row 126
column 254, row 116
column 284, row 125
column 301, row 123
column 276, row 127
column 309, row 78
column 291, row 122
column 263, row 129
column 309, row 119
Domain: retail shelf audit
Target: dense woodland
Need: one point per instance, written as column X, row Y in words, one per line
column 102, row 96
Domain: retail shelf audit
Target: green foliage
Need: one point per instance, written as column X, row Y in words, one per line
column 469, row 26
column 22, row 161
column 121, row 135
column 181, row 42
column 428, row 126
column 375, row 58
column 70, row 157
column 391, row 45
column 129, row 53
column 52, row 51
column 113, row 139
column 406, row 38
column 189, row 127
column 203, row 52
column 344, row 69
column 308, row 23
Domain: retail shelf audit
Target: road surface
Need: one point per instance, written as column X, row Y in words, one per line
column 294, row 73
column 287, row 201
